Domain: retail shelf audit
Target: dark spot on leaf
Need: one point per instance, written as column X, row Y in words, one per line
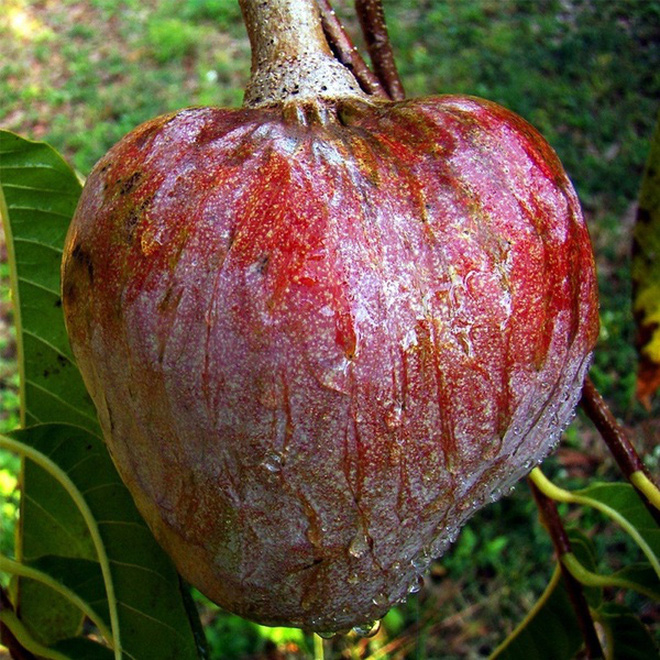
column 58, row 302
column 50, row 372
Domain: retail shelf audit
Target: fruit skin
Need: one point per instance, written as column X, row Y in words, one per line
column 316, row 347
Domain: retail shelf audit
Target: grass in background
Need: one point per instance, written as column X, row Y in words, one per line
column 82, row 73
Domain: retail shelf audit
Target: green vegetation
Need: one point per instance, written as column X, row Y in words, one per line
column 80, row 74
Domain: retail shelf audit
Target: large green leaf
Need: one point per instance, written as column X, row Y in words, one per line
column 38, row 194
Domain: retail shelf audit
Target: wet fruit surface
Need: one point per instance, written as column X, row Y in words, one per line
column 319, row 339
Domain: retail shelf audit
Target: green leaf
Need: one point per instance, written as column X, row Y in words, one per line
column 549, row 631
column 645, row 272
column 626, row 636
column 622, row 498
column 83, row 649
column 143, row 602
column 38, row 194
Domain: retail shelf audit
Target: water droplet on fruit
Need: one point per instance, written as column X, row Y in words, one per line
column 367, row 629
column 358, row 545
column 416, row 585
column 327, row 311
column 440, row 546
column 380, row 600
column 353, row 579
column 273, row 462
column 421, row 562
column 326, row 635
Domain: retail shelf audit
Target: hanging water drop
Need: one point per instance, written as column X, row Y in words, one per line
column 358, row 546
column 326, row 635
column 368, row 629
column 416, row 585
column 421, row 562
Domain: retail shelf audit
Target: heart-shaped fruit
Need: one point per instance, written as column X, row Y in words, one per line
column 322, row 330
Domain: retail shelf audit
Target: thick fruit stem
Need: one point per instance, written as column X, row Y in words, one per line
column 291, row 59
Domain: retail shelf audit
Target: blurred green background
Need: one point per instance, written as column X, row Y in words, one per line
column 586, row 73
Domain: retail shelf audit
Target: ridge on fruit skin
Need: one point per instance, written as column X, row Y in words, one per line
column 317, row 348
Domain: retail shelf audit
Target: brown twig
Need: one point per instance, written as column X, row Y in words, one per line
column 615, row 438
column 552, row 522
column 611, row 431
column 346, row 52
column 372, row 20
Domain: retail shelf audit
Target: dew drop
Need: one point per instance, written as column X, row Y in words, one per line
column 358, row 546
column 380, row 600
column 421, row 562
column 416, row 585
column 326, row 635
column 368, row 629
column 273, row 462
column 440, row 547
